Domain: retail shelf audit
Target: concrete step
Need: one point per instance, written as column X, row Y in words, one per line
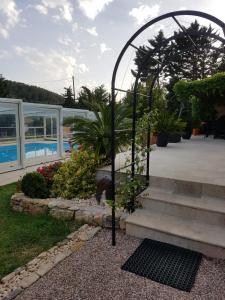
column 198, row 236
column 189, row 188
column 204, row 209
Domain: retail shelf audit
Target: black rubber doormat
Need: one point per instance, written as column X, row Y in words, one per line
column 165, row 263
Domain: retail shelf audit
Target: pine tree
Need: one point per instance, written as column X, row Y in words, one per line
column 69, row 100
column 3, row 87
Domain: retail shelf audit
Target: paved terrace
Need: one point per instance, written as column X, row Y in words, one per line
column 198, row 159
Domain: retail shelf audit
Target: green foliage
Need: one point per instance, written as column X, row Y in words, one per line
column 24, row 236
column 34, row 185
column 97, row 95
column 30, row 93
column 209, row 89
column 96, row 133
column 69, row 101
column 76, row 177
column 3, row 87
column 162, row 121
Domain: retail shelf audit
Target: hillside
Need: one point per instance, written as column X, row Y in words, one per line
column 30, row 93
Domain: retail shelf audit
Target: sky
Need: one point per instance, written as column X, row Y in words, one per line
column 46, row 42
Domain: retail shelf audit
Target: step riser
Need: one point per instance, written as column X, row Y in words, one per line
column 188, row 213
column 189, row 188
column 143, row 232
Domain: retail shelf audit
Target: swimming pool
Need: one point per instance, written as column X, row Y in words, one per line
column 32, row 150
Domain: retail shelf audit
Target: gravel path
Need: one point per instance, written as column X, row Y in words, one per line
column 94, row 273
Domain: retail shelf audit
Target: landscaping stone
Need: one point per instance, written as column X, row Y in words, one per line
column 87, row 235
column 28, row 279
column 63, row 214
column 81, row 210
column 12, row 284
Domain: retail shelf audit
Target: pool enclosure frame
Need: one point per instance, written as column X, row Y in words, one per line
column 134, row 92
column 21, row 110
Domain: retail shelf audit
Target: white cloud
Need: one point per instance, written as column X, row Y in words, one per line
column 64, row 9
column 92, row 31
column 4, row 54
column 52, row 64
column 67, row 41
column 144, row 13
column 75, row 26
column 91, row 8
column 82, row 68
column 11, row 14
column 104, row 48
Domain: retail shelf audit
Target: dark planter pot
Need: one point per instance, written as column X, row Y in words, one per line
column 162, row 139
column 187, row 135
column 174, row 138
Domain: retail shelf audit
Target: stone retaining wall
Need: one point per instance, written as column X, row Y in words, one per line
column 86, row 211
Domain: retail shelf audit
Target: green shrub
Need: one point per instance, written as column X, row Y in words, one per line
column 76, row 177
column 34, row 185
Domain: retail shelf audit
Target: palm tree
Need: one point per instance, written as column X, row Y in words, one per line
column 96, row 133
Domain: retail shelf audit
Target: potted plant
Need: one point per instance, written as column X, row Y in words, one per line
column 175, row 135
column 162, row 123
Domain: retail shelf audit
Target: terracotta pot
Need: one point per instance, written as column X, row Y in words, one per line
column 153, row 140
column 195, row 131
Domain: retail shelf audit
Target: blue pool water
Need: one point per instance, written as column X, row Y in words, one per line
column 9, row 153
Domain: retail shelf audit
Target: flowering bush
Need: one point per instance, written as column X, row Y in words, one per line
column 76, row 177
column 48, row 172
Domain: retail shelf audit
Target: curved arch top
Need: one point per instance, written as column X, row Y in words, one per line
column 157, row 19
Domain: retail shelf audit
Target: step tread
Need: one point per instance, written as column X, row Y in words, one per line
column 201, row 232
column 204, row 203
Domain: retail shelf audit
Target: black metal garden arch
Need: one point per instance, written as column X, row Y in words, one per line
column 114, row 90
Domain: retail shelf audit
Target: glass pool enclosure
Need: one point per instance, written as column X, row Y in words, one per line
column 33, row 133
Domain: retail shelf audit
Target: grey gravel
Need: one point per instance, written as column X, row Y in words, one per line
column 95, row 272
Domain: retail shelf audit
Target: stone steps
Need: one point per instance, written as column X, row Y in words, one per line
column 204, row 209
column 184, row 213
column 207, row 239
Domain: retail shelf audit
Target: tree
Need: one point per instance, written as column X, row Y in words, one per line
column 96, row 133
column 182, row 59
column 97, row 95
column 69, row 100
column 3, row 87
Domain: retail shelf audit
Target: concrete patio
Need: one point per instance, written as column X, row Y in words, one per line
column 199, row 159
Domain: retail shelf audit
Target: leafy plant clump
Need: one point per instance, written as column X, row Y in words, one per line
column 48, row 172
column 34, row 185
column 76, row 177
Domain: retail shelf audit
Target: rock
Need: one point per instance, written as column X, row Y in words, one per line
column 12, row 294
column 29, row 279
column 87, row 235
column 72, row 236
column 44, row 268
column 123, row 221
column 63, row 214
column 53, row 203
column 8, row 277
column 84, row 216
column 107, row 222
column 98, row 219
column 74, row 208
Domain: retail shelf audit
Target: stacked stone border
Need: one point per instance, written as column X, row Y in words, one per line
column 14, row 283
column 80, row 211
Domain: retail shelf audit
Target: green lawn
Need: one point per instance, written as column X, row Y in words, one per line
column 23, row 236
